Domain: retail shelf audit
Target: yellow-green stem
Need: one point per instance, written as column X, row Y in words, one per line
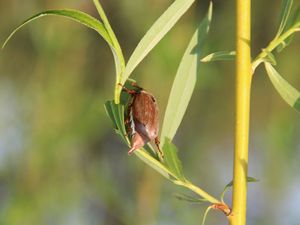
column 273, row 44
column 243, row 87
column 199, row 191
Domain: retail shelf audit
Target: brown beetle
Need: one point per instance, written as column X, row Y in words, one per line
column 142, row 119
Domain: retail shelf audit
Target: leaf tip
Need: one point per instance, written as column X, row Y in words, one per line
column 210, row 10
column 6, row 41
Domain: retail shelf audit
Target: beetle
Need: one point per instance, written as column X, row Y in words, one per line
column 142, row 118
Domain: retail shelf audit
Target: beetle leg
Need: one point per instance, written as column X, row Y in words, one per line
column 157, row 142
column 129, row 131
column 127, row 121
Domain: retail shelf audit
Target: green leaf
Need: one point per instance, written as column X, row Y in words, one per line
column 153, row 163
column 286, row 7
column 110, row 32
column 219, row 56
column 150, row 149
column 171, row 159
column 249, row 180
column 292, row 22
column 92, row 23
column 187, row 198
column 118, row 55
column 158, row 30
column 78, row 16
column 287, row 92
column 109, row 111
column 116, row 114
column 185, row 80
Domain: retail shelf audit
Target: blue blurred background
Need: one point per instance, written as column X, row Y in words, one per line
column 62, row 163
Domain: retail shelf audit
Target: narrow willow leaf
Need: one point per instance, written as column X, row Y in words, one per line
column 118, row 56
column 158, row 30
column 171, row 159
column 219, row 56
column 249, row 180
column 90, row 22
column 116, row 114
column 187, row 198
column 110, row 32
column 78, row 16
column 284, row 15
column 149, row 148
column 287, row 91
column 153, row 163
column 109, row 112
column 292, row 22
column 185, row 80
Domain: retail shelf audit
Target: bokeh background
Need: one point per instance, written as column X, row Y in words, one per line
column 62, row 163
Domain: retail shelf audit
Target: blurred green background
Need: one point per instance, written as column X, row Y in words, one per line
column 62, row 163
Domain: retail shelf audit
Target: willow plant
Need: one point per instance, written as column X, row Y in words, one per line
column 183, row 86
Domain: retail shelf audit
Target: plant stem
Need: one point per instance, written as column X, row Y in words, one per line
column 164, row 171
column 198, row 191
column 273, row 44
column 243, row 89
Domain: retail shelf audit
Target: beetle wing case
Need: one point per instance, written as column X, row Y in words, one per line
column 145, row 114
column 141, row 118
